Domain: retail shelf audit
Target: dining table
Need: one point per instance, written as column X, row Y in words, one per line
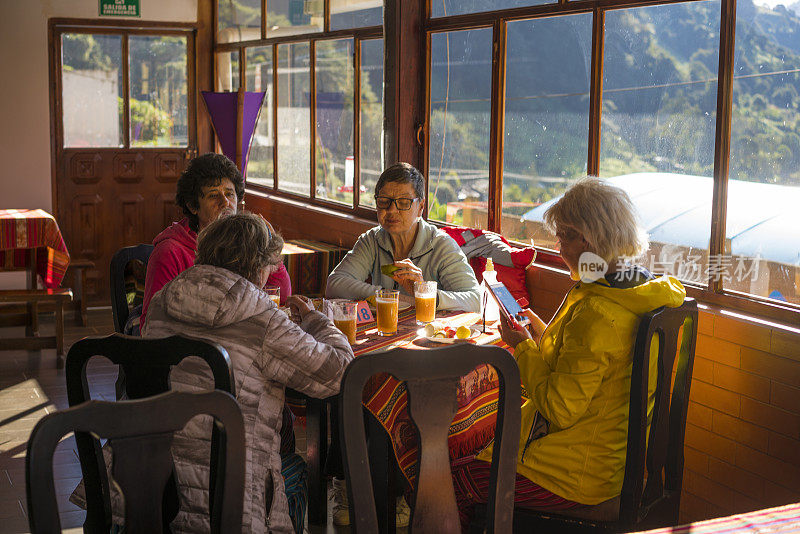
column 390, row 427
column 31, row 240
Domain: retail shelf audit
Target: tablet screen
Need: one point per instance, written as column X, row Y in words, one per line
column 506, row 300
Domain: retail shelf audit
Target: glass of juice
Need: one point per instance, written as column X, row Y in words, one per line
column 274, row 294
column 386, row 302
column 344, row 317
column 425, row 301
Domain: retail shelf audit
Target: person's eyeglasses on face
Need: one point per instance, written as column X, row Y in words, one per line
column 403, row 204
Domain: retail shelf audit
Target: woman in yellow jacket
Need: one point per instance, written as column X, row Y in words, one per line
column 577, row 368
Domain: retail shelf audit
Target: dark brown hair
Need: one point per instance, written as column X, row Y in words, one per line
column 243, row 243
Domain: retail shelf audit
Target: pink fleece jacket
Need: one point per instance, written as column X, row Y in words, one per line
column 174, row 252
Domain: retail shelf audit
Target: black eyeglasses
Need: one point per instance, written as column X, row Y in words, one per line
column 403, row 204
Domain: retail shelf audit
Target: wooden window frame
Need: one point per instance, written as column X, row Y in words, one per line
column 713, row 292
column 358, row 35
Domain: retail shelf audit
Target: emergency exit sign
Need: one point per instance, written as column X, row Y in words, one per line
column 119, row 8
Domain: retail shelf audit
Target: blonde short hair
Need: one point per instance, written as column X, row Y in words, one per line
column 242, row 243
column 604, row 214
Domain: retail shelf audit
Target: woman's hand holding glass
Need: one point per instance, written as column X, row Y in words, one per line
column 407, row 274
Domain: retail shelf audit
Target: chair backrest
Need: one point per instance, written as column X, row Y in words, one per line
column 120, row 260
column 146, row 364
column 142, row 461
column 431, row 378
column 661, row 452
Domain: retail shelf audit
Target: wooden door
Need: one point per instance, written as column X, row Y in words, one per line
column 124, row 121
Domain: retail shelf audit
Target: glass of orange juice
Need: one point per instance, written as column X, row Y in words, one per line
column 386, row 302
column 425, row 301
column 274, row 294
column 344, row 317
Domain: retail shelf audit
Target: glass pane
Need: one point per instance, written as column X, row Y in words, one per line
column 159, row 108
column 293, row 17
column 446, row 8
column 92, row 92
column 546, row 118
column 238, row 20
column 762, row 237
column 228, row 71
column 371, row 163
column 334, row 120
column 356, row 13
column 294, row 123
column 461, row 88
column 259, row 79
column 658, row 123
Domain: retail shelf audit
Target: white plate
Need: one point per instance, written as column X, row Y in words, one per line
column 474, row 332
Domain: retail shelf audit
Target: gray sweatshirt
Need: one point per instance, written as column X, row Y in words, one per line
column 434, row 252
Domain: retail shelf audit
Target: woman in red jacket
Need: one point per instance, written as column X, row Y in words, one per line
column 209, row 188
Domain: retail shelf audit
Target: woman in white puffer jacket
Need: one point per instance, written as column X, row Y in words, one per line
column 219, row 299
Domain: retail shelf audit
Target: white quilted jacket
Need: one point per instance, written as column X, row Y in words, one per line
column 268, row 353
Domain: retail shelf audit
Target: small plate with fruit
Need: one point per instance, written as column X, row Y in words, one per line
column 439, row 333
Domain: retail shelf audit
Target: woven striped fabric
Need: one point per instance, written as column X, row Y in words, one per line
column 295, row 479
column 24, row 230
column 478, row 394
column 772, row 520
column 309, row 263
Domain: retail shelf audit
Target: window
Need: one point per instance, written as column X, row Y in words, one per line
column 629, row 94
column 460, row 104
column 307, row 142
column 94, row 73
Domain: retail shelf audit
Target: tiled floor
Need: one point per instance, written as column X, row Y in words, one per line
column 30, row 387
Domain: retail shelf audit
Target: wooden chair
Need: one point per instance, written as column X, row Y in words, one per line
column 32, row 341
column 431, row 377
column 120, row 260
column 654, row 501
column 142, row 457
column 146, row 364
column 79, row 270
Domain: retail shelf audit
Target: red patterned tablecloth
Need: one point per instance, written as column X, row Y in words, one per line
column 781, row 519
column 387, row 399
column 24, row 230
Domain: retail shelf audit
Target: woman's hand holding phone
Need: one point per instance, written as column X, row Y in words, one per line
column 512, row 333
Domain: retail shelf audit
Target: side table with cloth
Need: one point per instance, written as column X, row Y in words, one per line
column 30, row 240
column 309, row 263
column 773, row 520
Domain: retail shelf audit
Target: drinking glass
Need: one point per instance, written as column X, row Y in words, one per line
column 386, row 303
column 274, row 294
column 425, row 301
column 344, row 317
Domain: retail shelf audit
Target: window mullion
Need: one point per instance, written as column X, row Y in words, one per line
column 126, row 91
column 497, row 121
column 356, row 122
column 275, row 117
column 596, row 93
column 722, row 143
column 312, row 114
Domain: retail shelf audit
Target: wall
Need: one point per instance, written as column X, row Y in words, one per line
column 25, row 179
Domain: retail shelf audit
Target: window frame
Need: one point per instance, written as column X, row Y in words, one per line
column 713, row 292
column 358, row 35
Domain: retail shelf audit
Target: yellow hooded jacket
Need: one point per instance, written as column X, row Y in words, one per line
column 579, row 378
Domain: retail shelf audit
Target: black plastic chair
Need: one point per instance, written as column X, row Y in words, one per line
column 142, row 457
column 147, row 364
column 431, row 377
column 120, row 260
column 656, row 502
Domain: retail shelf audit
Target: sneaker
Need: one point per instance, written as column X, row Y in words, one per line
column 341, row 506
column 402, row 513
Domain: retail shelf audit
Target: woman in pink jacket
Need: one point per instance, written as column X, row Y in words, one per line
column 209, row 188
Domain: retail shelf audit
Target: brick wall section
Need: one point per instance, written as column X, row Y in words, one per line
column 742, row 448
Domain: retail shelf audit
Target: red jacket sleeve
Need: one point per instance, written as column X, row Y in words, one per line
column 165, row 263
column 280, row 278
